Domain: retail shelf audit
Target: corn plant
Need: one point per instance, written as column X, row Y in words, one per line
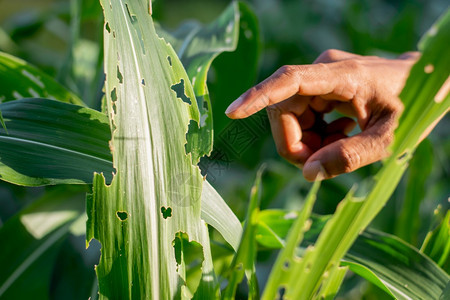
column 147, row 202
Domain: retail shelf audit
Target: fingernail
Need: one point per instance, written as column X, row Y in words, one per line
column 314, row 171
column 234, row 106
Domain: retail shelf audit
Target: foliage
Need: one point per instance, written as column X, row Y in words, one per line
column 149, row 205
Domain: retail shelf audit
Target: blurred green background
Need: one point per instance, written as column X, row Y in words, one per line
column 291, row 32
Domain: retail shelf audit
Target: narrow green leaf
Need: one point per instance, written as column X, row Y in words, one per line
column 287, row 261
column 31, row 238
column 420, row 167
column 244, row 260
column 402, row 269
column 2, row 122
column 150, row 104
column 437, row 242
column 388, row 262
column 51, row 142
column 218, row 214
column 332, row 282
column 21, row 80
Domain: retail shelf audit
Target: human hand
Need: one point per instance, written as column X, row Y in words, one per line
column 297, row 97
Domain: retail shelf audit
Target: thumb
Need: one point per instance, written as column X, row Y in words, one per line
column 349, row 154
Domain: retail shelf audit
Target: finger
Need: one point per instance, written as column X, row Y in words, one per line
column 307, row 119
column 287, row 135
column 319, row 104
column 295, row 104
column 410, row 55
column 312, row 139
column 333, row 138
column 307, row 80
column 349, row 154
column 342, row 125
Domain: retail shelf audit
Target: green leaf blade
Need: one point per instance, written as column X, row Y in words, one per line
column 50, row 142
column 150, row 104
column 21, row 80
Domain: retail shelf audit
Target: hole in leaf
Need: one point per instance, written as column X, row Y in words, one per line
column 122, row 215
column 114, row 107
column 429, row 68
column 170, row 60
column 143, row 81
column 403, row 157
column 119, row 75
column 286, row 265
column 108, row 28
column 179, row 89
column 166, row 212
column 114, row 95
column 131, row 15
column 281, row 292
column 189, row 254
column 191, row 135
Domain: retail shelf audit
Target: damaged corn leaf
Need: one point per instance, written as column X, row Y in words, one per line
column 148, row 94
column 197, row 46
column 51, row 142
column 21, row 80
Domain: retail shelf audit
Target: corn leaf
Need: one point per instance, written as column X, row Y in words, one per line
column 420, row 167
column 437, row 242
column 287, row 259
column 197, row 46
column 219, row 215
column 31, row 239
column 51, row 142
column 399, row 267
column 22, row 80
column 244, row 260
column 383, row 259
column 155, row 194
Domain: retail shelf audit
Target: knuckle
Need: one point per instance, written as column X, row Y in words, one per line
column 387, row 138
column 287, row 70
column 354, row 65
column 273, row 110
column 349, row 158
column 330, row 55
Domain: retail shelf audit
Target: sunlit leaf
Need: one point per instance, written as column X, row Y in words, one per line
column 197, row 46
column 150, row 104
